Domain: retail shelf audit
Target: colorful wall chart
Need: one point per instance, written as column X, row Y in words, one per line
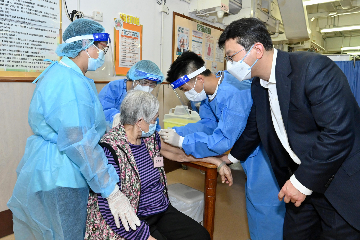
column 128, row 46
column 29, row 32
column 193, row 35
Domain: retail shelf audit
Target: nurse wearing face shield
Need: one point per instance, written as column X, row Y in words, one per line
column 224, row 112
column 226, row 104
column 63, row 159
column 145, row 75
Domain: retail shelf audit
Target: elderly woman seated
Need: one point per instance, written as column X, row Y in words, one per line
column 135, row 149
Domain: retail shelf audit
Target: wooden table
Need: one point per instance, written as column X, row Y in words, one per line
column 209, row 192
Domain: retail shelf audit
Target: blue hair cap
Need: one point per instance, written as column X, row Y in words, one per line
column 145, row 69
column 79, row 27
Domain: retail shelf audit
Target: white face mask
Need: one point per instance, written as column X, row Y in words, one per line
column 194, row 96
column 143, row 88
column 93, row 63
column 240, row 70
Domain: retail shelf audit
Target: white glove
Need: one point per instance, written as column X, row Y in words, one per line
column 120, row 207
column 162, row 131
column 171, row 137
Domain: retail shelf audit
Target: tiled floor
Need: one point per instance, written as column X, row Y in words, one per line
column 10, row 237
column 230, row 211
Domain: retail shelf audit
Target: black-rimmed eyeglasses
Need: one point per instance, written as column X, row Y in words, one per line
column 229, row 58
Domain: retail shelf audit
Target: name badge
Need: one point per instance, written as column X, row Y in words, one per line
column 158, row 162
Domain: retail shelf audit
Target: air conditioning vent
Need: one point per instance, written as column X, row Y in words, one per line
column 235, row 6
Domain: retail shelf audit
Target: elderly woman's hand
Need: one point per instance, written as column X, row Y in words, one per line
column 225, row 173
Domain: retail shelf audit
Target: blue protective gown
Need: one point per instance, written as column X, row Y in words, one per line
column 62, row 159
column 222, row 121
column 111, row 97
column 264, row 210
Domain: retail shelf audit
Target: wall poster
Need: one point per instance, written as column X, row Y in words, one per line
column 128, row 46
column 182, row 40
column 29, row 33
column 193, row 35
column 197, row 42
column 209, row 48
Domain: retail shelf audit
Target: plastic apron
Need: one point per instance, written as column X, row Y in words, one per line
column 264, row 210
column 62, row 159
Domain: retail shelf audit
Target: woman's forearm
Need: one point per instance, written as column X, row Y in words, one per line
column 178, row 155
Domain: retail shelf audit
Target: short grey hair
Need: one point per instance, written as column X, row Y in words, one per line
column 136, row 105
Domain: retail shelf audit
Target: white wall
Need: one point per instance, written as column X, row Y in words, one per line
column 14, row 105
column 15, row 97
column 150, row 17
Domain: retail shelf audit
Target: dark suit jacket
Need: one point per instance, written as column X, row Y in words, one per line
column 322, row 121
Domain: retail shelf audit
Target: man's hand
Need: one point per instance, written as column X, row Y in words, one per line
column 226, row 176
column 290, row 193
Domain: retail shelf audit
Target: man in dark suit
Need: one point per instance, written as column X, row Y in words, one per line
column 308, row 120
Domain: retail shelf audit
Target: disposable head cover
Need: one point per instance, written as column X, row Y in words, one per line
column 79, row 27
column 145, row 69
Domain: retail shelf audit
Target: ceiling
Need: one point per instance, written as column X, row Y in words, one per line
column 299, row 20
column 335, row 12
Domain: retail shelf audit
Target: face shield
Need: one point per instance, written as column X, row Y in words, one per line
column 102, row 42
column 183, row 85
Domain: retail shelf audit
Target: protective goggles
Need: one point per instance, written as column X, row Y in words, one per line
column 145, row 82
column 184, row 79
column 98, row 37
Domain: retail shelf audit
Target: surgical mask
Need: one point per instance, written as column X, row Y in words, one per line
column 143, row 88
column 240, row 70
column 152, row 128
column 93, row 63
column 194, row 96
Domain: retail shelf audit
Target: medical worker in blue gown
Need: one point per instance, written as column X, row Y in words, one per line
column 224, row 112
column 144, row 76
column 63, row 159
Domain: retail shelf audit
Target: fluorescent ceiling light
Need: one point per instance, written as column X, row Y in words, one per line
column 334, row 14
column 340, row 29
column 352, row 53
column 350, row 48
column 313, row 2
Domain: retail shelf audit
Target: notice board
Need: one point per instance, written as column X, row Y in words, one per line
column 30, row 31
column 128, row 47
column 192, row 35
